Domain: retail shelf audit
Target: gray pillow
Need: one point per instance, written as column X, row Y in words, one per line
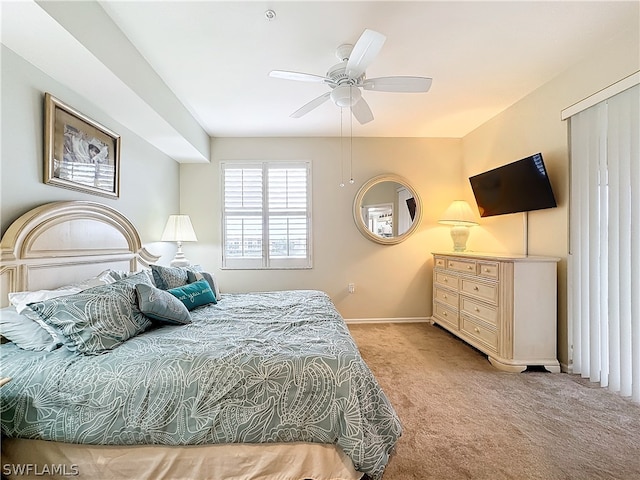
column 161, row 305
column 24, row 331
column 166, row 278
column 97, row 319
column 195, row 276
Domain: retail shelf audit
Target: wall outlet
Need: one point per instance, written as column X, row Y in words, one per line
column 352, row 288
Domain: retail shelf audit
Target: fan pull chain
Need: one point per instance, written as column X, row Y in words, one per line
column 351, row 181
column 341, row 149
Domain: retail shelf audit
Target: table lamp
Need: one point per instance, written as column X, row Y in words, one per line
column 460, row 217
column 179, row 229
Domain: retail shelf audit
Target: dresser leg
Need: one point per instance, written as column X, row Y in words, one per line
column 507, row 368
column 553, row 368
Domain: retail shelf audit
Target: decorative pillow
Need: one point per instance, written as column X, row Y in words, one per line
column 167, row 278
column 57, row 336
column 161, row 305
column 209, row 277
column 194, row 294
column 99, row 318
column 25, row 332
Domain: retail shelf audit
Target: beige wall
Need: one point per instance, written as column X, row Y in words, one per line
column 395, row 281
column 532, row 125
column 392, row 281
column 148, row 182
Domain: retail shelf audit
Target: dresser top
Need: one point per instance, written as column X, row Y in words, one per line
column 508, row 257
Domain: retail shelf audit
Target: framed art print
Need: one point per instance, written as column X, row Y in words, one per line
column 80, row 154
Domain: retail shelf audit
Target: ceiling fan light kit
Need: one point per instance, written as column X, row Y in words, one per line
column 345, row 95
column 347, row 78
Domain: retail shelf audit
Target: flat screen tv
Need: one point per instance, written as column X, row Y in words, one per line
column 520, row 186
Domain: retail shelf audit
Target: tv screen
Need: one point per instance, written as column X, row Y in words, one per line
column 520, row 186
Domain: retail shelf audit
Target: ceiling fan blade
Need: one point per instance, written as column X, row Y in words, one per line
column 398, row 84
column 362, row 112
column 364, row 51
column 316, row 102
column 301, row 77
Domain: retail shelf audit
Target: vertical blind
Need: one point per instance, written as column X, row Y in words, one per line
column 266, row 215
column 604, row 259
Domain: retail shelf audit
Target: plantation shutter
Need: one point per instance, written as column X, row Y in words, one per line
column 266, row 215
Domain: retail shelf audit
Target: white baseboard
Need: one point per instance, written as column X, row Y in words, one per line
column 388, row 320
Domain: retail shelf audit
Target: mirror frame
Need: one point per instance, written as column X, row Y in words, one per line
column 357, row 213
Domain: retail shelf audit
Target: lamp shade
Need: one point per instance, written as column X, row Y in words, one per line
column 458, row 213
column 179, row 229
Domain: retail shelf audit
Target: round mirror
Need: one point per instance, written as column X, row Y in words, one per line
column 387, row 209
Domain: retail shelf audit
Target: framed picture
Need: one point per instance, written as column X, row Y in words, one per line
column 80, row 154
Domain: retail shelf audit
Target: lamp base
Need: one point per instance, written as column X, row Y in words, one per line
column 180, row 260
column 459, row 235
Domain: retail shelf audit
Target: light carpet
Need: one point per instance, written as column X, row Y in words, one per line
column 463, row 419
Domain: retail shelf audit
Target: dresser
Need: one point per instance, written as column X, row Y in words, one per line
column 505, row 306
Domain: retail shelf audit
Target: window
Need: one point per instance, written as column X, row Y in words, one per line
column 266, row 217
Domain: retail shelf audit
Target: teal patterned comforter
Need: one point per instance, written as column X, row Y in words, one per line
column 255, row 368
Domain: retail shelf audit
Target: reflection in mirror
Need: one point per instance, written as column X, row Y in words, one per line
column 379, row 219
column 386, row 209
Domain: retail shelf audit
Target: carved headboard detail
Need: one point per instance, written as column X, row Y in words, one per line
column 64, row 242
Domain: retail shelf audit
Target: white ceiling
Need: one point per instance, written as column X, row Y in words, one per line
column 482, row 56
column 208, row 62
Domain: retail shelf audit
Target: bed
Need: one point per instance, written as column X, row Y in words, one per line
column 265, row 385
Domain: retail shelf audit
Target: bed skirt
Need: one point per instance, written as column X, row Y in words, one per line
column 37, row 459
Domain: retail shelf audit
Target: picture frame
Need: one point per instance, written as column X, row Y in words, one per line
column 80, row 154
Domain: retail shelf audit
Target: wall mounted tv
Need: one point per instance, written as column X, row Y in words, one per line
column 520, row 186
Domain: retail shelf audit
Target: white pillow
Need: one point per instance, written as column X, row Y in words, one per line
column 104, row 278
column 20, row 300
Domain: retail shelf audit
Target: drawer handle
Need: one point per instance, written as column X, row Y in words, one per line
column 444, row 313
column 469, row 267
column 476, row 288
column 444, row 296
column 487, row 270
column 477, row 309
column 476, row 329
column 446, row 280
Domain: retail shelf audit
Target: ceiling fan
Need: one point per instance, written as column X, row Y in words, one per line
column 347, row 78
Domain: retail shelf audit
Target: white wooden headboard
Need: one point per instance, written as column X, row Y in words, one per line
column 64, row 242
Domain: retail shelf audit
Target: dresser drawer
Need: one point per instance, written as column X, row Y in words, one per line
column 446, row 296
column 440, row 262
column 486, row 291
column 458, row 265
column 482, row 333
column 447, row 315
column 447, row 280
column 488, row 269
column 488, row 313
